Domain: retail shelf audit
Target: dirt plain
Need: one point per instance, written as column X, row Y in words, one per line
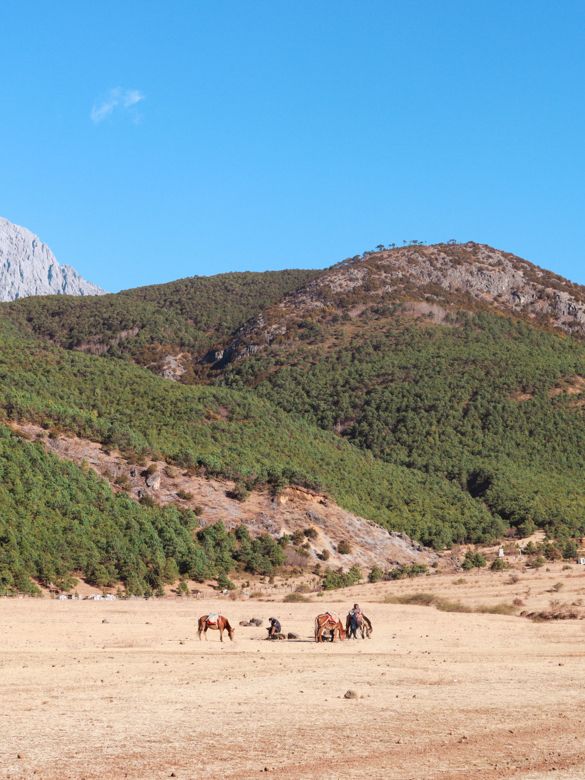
column 124, row 689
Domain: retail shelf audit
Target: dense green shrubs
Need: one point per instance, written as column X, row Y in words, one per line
column 473, row 560
column 376, row 574
column 56, row 519
column 341, row 579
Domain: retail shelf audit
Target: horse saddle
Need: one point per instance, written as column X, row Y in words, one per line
column 213, row 618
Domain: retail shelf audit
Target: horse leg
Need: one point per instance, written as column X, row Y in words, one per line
column 221, row 634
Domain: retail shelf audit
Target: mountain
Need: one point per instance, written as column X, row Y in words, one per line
column 164, row 327
column 158, row 438
column 28, row 267
column 436, row 390
column 454, row 360
column 425, row 281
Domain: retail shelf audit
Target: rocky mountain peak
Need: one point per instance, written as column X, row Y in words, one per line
column 28, row 267
column 448, row 276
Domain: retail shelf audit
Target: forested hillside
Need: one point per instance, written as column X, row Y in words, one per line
column 57, row 520
column 225, row 432
column 183, row 318
column 435, row 390
column 493, row 405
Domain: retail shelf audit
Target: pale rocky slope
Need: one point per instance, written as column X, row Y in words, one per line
column 28, row 267
column 294, row 509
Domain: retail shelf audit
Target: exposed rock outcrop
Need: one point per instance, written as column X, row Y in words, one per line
column 462, row 276
column 28, row 267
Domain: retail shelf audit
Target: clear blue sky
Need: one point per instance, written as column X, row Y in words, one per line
column 145, row 141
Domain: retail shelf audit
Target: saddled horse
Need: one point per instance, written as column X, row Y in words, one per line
column 217, row 622
column 328, row 621
column 359, row 622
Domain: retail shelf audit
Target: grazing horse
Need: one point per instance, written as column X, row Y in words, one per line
column 328, row 622
column 359, row 623
column 215, row 621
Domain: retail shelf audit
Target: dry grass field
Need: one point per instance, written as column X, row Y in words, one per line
column 124, row 689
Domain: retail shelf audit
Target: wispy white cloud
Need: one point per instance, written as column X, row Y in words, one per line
column 117, row 98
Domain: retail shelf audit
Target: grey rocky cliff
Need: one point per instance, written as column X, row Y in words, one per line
column 28, row 267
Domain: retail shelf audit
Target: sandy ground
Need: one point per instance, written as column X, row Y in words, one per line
column 126, row 690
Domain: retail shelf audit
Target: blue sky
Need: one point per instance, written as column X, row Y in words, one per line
column 146, row 141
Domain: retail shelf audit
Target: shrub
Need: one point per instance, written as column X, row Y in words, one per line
column 473, row 560
column 224, row 583
column 261, row 555
column 569, row 550
column 536, row 563
column 495, row 609
column 445, row 605
column 551, row 552
column 344, row 547
column 557, row 586
column 341, row 579
column 376, row 574
column 419, row 599
column 184, row 495
column 400, row 572
column 303, row 588
column 311, row 533
column 239, row 492
column 499, row 564
column 295, row 598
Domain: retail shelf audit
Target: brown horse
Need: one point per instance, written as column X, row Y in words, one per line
column 328, row 622
column 364, row 626
column 215, row 621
